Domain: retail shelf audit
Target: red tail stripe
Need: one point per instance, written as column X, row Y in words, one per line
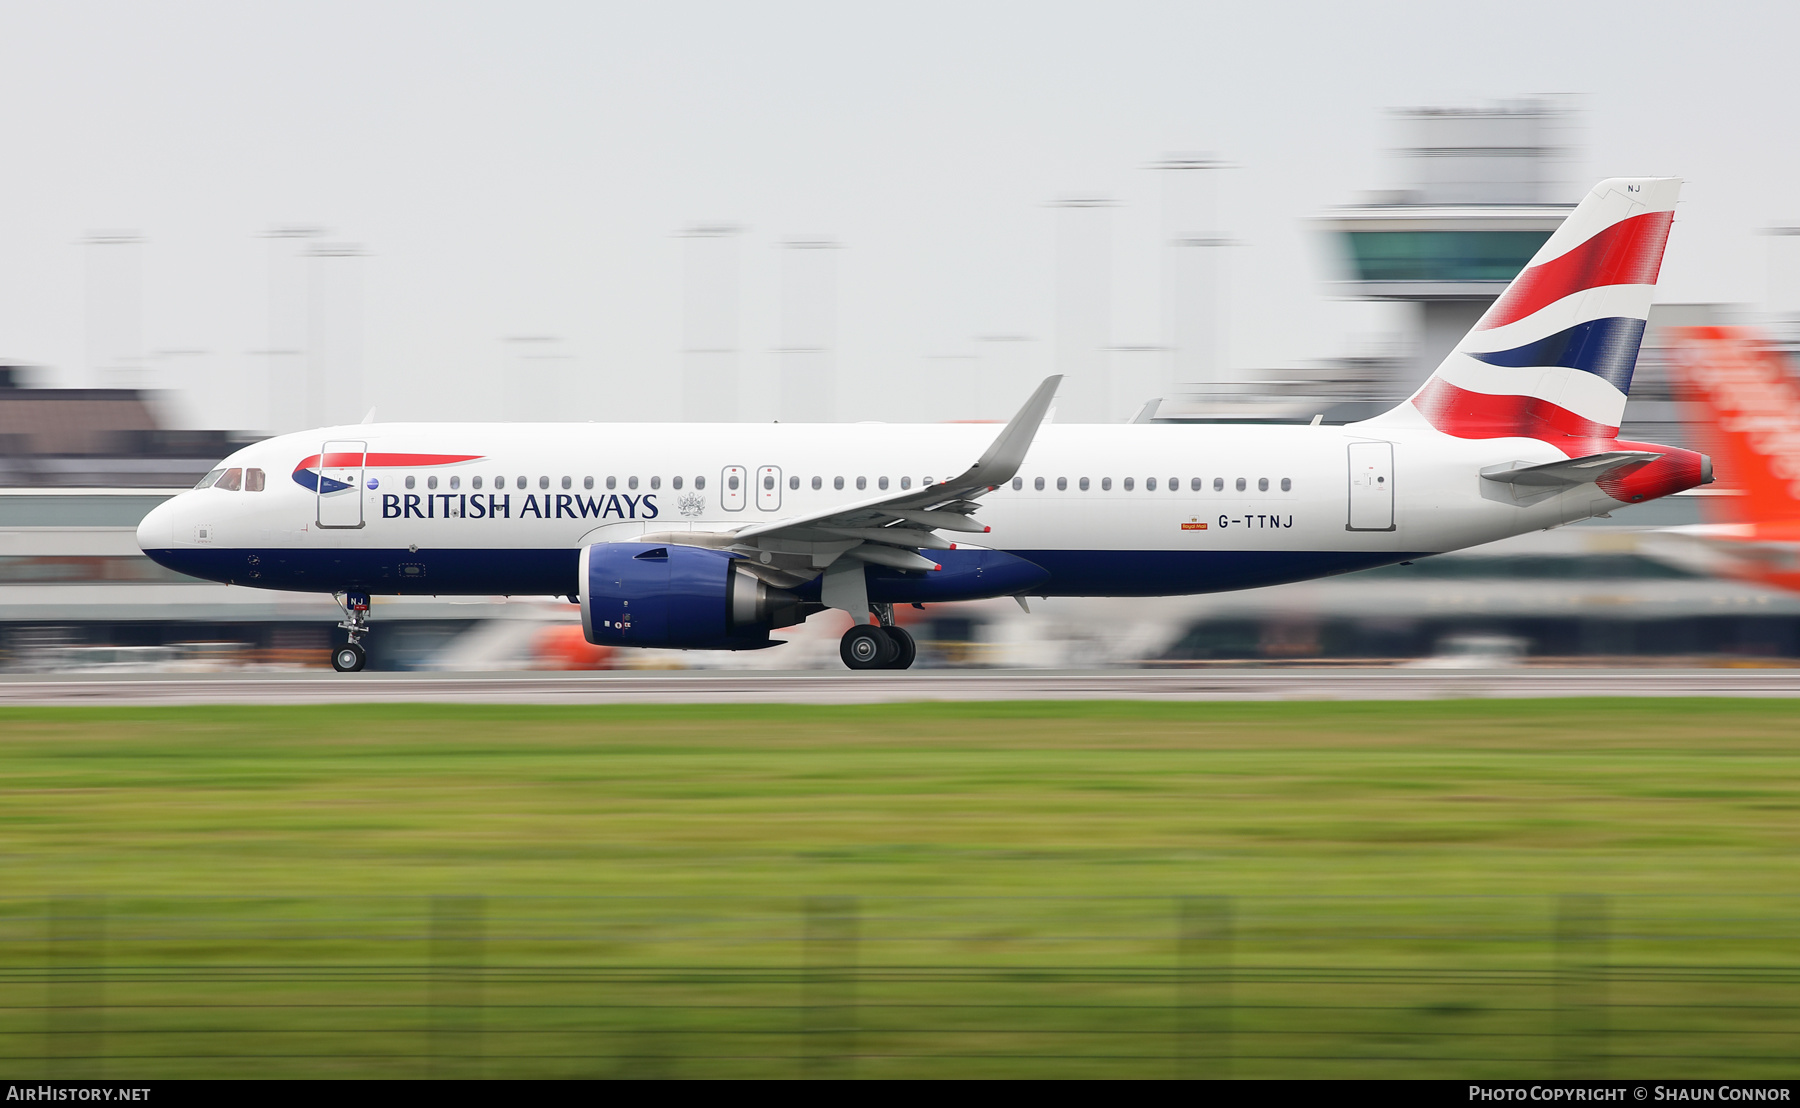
column 1480, row 415
column 1627, row 253
column 378, row 461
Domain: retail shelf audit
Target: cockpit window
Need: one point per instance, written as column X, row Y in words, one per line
column 233, row 479
column 253, row 480
column 207, row 481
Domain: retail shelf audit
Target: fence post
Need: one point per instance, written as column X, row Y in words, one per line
column 75, row 1002
column 828, row 1012
column 1203, row 986
column 1582, row 926
column 454, row 988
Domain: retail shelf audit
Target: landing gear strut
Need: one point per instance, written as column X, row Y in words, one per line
column 351, row 657
column 867, row 646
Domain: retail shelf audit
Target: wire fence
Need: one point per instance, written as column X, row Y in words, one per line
column 837, row 986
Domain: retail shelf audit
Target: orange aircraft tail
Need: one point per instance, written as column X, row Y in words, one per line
column 1744, row 403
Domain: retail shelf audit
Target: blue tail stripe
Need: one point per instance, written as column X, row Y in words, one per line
column 1607, row 348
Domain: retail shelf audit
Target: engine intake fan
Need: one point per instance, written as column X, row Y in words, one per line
column 655, row 594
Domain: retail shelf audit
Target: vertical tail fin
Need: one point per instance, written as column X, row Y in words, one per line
column 1552, row 359
column 1742, row 400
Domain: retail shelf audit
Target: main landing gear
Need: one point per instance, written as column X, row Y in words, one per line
column 867, row 646
column 351, row 657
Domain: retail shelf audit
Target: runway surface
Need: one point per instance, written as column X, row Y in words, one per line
column 713, row 687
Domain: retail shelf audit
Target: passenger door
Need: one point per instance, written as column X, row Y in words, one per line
column 340, row 494
column 1371, row 486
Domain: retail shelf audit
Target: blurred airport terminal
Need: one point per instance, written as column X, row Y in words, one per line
column 79, row 467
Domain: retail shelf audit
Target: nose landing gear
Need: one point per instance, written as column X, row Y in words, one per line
column 867, row 646
column 351, row 657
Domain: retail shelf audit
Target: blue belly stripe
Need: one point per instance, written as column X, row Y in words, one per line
column 967, row 575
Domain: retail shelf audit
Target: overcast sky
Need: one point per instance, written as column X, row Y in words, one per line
column 523, row 168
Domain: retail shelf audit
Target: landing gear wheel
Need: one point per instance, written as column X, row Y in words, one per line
column 905, row 649
column 866, row 646
column 349, row 658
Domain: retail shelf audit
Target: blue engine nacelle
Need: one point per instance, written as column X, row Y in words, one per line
column 652, row 594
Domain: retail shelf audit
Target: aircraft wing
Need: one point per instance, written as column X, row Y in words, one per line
column 1571, row 472
column 889, row 529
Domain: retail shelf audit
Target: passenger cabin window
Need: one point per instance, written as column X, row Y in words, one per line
column 1240, row 484
column 543, row 482
column 475, row 482
column 232, row 480
column 699, row 482
column 1218, row 484
column 906, row 482
column 1018, row 483
column 837, row 482
column 456, row 483
column 862, row 483
column 208, row 481
column 631, row 482
column 612, row 482
column 586, row 483
column 1287, row 485
column 1174, row 484
column 568, row 482
column 1106, row 484
column 1149, row 484
column 656, row 482
column 1128, row 484
column 1062, row 484
column 731, row 482
column 881, row 483
column 410, row 480
column 1194, row 484
column 1038, row 484
column 1262, row 484
column 674, row 481
column 431, row 482
column 818, row 483
column 1084, row 484
column 768, row 481
column 253, row 480
column 793, row 482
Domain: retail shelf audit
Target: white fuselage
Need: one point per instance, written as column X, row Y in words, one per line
column 1167, row 508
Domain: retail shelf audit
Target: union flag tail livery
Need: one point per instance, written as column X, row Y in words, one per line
column 1740, row 395
column 711, row 536
column 1552, row 359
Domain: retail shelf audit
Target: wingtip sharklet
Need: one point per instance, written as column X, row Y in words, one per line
column 1003, row 457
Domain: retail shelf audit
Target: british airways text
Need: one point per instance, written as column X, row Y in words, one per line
column 463, row 505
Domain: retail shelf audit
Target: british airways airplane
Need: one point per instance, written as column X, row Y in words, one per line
column 709, row 537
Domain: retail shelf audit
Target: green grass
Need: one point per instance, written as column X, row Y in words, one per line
column 1390, row 875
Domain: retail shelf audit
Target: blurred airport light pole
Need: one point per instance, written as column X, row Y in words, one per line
column 115, row 309
column 537, row 379
column 709, row 371
column 1783, row 303
column 334, row 334
column 1193, row 274
column 281, row 402
column 1084, row 308
column 807, row 392
column 1005, row 376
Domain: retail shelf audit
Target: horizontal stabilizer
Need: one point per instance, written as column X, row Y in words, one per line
column 1573, row 471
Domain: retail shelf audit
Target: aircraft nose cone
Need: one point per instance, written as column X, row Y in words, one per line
column 157, row 530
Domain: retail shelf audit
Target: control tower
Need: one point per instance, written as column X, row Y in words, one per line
column 1486, row 188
